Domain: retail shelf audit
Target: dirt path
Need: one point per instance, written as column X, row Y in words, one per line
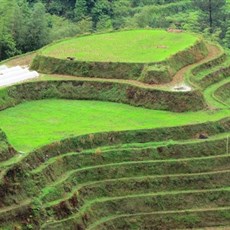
column 178, row 79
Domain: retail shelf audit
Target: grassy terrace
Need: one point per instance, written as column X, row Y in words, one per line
column 146, row 46
column 166, row 178
column 162, row 181
column 33, row 124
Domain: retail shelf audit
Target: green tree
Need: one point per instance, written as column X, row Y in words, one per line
column 80, row 9
column 226, row 39
column 102, row 7
column 37, row 34
column 85, row 25
column 22, row 14
column 121, row 11
column 7, row 46
column 104, row 23
column 212, row 12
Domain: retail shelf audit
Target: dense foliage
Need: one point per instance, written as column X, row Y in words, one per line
column 27, row 25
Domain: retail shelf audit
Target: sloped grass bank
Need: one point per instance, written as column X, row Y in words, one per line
column 219, row 59
column 211, row 72
column 102, row 91
column 162, row 169
column 223, row 93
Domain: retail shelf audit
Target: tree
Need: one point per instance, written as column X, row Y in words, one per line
column 104, row 23
column 19, row 27
column 85, row 25
column 121, row 10
column 7, row 46
column 227, row 36
column 101, row 8
column 212, row 11
column 37, row 34
column 80, row 9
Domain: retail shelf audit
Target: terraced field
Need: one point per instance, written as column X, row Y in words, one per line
column 149, row 56
column 143, row 48
column 88, row 163
column 34, row 124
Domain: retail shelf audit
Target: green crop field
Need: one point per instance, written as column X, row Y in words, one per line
column 37, row 123
column 146, row 46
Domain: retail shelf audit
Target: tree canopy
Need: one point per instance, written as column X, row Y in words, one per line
column 27, row 25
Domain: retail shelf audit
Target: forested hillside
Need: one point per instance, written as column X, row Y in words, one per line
column 27, row 25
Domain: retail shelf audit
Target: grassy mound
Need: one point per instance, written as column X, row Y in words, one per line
column 138, row 46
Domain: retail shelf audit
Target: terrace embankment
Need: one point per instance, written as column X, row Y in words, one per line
column 144, row 67
column 103, row 91
column 223, row 93
column 158, row 166
column 6, row 150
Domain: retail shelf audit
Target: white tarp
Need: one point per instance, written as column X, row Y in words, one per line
column 182, row 88
column 13, row 75
column 2, row 67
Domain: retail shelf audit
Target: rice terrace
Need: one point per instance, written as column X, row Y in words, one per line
column 120, row 130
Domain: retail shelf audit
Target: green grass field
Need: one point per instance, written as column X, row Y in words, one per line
column 139, row 46
column 33, row 124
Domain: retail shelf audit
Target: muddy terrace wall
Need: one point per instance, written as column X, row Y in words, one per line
column 3, row 146
column 6, row 150
column 119, row 70
column 103, row 91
